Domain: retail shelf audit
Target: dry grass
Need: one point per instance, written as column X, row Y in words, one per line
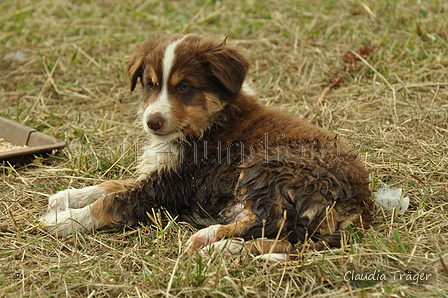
column 61, row 69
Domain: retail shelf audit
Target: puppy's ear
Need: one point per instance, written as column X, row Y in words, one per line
column 135, row 63
column 228, row 66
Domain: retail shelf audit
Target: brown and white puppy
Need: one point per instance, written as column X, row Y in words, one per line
column 220, row 161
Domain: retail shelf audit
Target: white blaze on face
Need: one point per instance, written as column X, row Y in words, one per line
column 162, row 104
column 162, row 153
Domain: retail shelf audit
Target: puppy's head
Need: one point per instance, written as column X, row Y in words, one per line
column 187, row 80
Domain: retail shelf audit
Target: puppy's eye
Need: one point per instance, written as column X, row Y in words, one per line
column 150, row 85
column 184, row 87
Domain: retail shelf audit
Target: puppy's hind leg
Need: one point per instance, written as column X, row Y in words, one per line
column 272, row 249
column 230, row 239
column 216, row 233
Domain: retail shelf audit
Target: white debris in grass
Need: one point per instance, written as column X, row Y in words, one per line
column 391, row 199
column 17, row 56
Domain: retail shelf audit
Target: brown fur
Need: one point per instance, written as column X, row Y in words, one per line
column 115, row 186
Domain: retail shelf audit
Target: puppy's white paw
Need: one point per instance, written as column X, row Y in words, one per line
column 226, row 247
column 75, row 198
column 203, row 237
column 63, row 223
column 59, row 201
column 274, row 257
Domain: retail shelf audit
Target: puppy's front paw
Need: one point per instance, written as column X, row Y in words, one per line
column 59, row 201
column 75, row 198
column 203, row 237
column 63, row 223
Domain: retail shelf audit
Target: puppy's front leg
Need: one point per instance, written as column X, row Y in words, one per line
column 63, row 223
column 79, row 198
column 108, row 210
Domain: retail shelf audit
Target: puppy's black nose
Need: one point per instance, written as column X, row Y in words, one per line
column 155, row 122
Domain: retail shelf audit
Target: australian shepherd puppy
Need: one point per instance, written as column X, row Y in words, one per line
column 220, row 161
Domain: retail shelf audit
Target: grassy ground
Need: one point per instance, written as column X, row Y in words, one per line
column 61, row 70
